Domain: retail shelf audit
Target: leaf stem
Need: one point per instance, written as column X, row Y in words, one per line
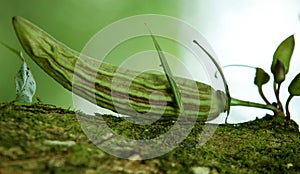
column 238, row 102
column 277, row 91
column 261, row 93
column 287, row 107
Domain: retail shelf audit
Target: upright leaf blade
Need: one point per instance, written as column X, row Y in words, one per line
column 284, row 53
column 168, row 73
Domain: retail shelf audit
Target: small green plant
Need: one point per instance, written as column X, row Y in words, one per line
column 279, row 68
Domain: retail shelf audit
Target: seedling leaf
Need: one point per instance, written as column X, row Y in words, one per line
column 168, row 73
column 284, row 53
column 25, row 84
column 294, row 87
column 261, row 77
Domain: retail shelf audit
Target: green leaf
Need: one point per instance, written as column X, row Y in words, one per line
column 261, row 77
column 168, row 73
column 284, row 53
column 279, row 72
column 294, row 88
column 25, row 84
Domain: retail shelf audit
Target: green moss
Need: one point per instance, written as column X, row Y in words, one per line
column 268, row 145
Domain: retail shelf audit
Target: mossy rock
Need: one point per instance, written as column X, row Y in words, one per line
column 46, row 139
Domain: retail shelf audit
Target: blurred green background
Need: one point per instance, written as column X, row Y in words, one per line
column 73, row 22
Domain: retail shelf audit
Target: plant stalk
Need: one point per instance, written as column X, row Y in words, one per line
column 277, row 92
column 238, row 102
column 288, row 115
column 261, row 93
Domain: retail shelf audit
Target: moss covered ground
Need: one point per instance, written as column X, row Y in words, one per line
column 47, row 139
